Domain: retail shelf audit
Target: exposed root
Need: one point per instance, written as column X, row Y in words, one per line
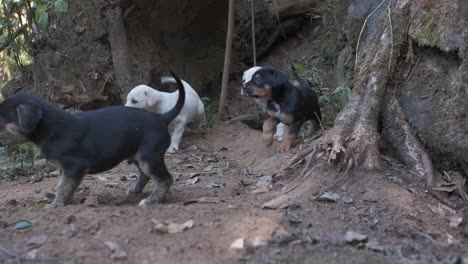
column 409, row 148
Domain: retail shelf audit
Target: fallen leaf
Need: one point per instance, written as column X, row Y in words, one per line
column 445, row 187
column 329, row 197
column 111, row 184
column 37, row 240
column 104, row 179
column 23, row 224
column 237, row 244
column 262, row 189
column 352, row 237
column 203, row 200
column 172, row 228
column 116, row 251
column 455, row 221
column 280, row 202
column 452, row 240
column 194, row 180
column 176, row 161
column 193, row 174
column 214, row 185
column 32, row 254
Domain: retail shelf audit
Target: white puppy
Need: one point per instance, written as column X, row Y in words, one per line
column 143, row 96
column 247, row 76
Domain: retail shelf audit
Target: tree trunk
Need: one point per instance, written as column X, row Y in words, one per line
column 120, row 51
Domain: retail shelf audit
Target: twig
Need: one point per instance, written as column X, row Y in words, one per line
column 414, row 69
column 362, row 30
column 254, row 48
column 279, row 21
column 345, row 173
column 102, row 87
column 391, row 34
column 227, row 59
column 10, row 254
column 441, row 199
column 241, row 118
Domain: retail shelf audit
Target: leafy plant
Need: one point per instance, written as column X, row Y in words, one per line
column 20, row 157
column 22, row 23
column 209, row 118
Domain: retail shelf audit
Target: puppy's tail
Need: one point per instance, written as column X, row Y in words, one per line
column 301, row 81
column 169, row 116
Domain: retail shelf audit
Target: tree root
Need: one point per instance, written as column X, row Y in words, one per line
column 409, row 148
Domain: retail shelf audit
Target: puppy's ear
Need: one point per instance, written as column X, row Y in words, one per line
column 29, row 117
column 152, row 98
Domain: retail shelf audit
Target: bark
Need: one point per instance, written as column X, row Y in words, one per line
column 120, row 51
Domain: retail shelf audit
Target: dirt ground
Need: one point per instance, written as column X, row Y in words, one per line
column 218, row 186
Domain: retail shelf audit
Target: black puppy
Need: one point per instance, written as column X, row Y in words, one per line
column 93, row 141
column 285, row 102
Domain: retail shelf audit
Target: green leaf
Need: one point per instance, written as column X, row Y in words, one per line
column 300, row 67
column 320, row 63
column 324, row 98
column 60, row 6
column 23, row 224
column 42, row 18
column 270, row 154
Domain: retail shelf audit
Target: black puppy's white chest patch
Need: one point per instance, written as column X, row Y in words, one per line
column 275, row 110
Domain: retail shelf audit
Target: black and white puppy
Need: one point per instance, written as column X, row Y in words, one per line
column 92, row 141
column 261, row 103
column 284, row 102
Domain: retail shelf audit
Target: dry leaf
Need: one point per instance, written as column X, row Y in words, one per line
column 172, row 227
column 455, row 221
column 262, row 189
column 280, row 202
column 237, row 244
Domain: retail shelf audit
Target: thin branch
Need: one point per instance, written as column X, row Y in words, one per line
column 227, row 59
column 254, row 48
column 278, row 17
column 362, row 30
column 391, row 34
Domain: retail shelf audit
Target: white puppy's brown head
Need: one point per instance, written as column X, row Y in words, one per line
column 246, row 77
column 142, row 96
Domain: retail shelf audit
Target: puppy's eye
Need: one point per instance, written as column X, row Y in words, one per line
column 258, row 80
column 134, row 101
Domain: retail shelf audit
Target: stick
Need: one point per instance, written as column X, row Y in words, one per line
column 254, row 49
column 227, row 59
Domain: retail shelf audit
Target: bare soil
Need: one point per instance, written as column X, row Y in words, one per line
column 216, row 176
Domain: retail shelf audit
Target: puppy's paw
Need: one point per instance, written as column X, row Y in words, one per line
column 267, row 142
column 54, row 205
column 278, row 138
column 172, row 149
column 284, row 147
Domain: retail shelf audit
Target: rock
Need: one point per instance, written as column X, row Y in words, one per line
column 264, row 181
column 116, row 252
